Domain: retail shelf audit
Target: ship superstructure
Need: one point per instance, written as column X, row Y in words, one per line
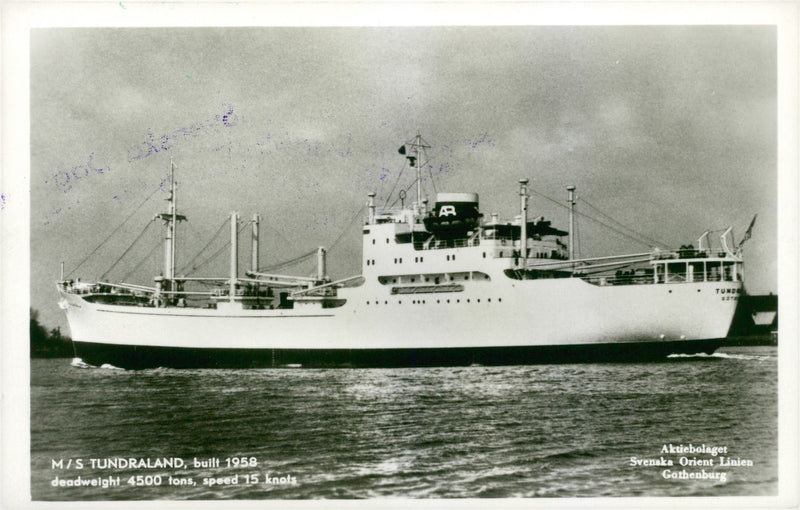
column 440, row 284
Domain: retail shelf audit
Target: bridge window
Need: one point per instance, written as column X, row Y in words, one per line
column 697, row 272
column 714, row 271
column 676, row 272
column 727, row 271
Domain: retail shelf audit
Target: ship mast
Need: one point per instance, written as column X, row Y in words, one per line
column 523, row 231
column 571, row 202
column 418, row 147
column 254, row 249
column 171, row 219
column 234, row 273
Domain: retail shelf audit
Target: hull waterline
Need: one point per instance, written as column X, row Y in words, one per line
column 144, row 357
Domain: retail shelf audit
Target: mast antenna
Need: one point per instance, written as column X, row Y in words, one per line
column 416, row 157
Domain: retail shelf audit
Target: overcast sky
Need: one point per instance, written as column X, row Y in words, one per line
column 669, row 130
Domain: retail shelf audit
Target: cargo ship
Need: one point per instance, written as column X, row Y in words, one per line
column 440, row 285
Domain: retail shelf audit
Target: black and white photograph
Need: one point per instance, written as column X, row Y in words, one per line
column 266, row 253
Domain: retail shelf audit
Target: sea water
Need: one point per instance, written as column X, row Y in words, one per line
column 634, row 429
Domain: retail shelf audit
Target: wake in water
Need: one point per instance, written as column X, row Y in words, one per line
column 79, row 363
column 723, row 355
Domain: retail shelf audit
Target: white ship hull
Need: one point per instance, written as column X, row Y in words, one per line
column 485, row 321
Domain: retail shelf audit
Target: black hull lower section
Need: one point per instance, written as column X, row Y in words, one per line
column 139, row 357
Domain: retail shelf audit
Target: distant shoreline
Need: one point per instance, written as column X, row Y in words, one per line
column 44, row 344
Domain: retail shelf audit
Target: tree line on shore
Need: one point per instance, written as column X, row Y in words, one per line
column 48, row 344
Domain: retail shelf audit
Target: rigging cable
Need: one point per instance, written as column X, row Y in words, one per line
column 399, row 175
column 216, row 253
column 410, row 185
column 433, row 182
column 347, row 228
column 204, row 248
column 113, row 232
column 305, row 256
column 614, row 229
column 103, row 276
column 642, row 236
column 145, row 259
column 289, row 262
